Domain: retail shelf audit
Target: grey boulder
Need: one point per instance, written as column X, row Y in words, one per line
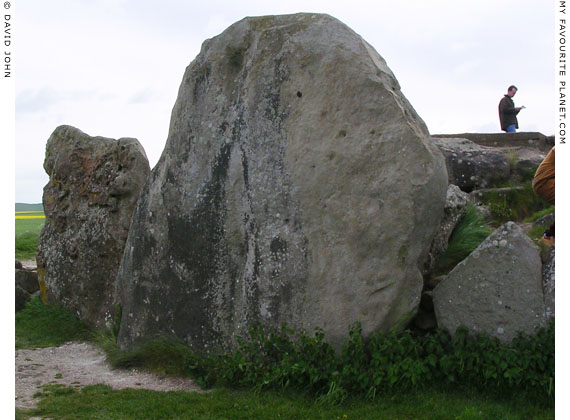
column 471, row 166
column 88, row 202
column 297, row 185
column 526, row 161
column 453, row 211
column 26, row 284
column 497, row 289
column 27, row 280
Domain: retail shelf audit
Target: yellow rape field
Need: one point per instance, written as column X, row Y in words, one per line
column 26, row 215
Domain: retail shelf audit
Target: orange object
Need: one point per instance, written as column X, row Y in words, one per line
column 543, row 182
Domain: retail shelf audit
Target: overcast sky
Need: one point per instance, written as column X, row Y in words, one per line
column 112, row 68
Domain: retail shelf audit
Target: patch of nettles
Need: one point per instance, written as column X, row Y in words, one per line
column 379, row 365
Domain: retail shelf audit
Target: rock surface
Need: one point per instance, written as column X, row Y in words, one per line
column 548, row 282
column 27, row 280
column 545, row 221
column 297, row 185
column 523, row 139
column 497, row 289
column 26, row 284
column 88, row 202
column 22, row 297
column 471, row 166
column 527, row 162
column 453, row 211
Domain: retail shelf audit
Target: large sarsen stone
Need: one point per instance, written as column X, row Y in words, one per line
column 93, row 186
column 297, row 185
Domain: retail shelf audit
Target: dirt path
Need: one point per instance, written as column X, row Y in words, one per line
column 81, row 364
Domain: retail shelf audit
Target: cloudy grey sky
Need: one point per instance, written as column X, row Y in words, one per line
column 112, row 68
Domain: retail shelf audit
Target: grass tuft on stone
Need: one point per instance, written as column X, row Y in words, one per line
column 468, row 235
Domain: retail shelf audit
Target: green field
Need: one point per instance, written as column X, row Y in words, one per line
column 29, row 207
column 29, row 223
column 29, row 226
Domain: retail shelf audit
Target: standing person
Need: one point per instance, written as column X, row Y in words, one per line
column 508, row 112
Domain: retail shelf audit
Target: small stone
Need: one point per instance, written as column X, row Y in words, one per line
column 496, row 276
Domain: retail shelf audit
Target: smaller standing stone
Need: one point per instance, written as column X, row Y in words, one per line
column 88, row 202
column 497, row 289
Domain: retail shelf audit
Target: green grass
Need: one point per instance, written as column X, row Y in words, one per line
column 468, row 235
column 29, row 226
column 539, row 215
column 513, row 204
column 26, row 246
column 513, row 158
column 162, row 356
column 27, row 232
column 536, row 232
column 39, row 325
column 101, row 402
